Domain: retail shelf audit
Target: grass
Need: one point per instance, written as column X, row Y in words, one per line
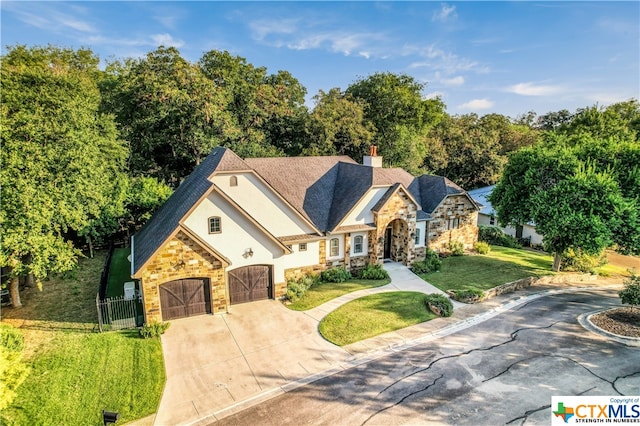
column 76, row 372
column 375, row 314
column 501, row 265
column 119, row 273
column 323, row 292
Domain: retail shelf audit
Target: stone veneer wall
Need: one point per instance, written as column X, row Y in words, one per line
column 439, row 236
column 280, row 289
column 398, row 207
column 166, row 266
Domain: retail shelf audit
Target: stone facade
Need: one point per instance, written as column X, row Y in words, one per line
column 399, row 213
column 181, row 258
column 454, row 219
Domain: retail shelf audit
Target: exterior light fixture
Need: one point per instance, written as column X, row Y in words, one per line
column 248, row 253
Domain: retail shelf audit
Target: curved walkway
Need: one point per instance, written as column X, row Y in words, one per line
column 402, row 279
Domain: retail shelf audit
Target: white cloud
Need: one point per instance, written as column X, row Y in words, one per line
column 49, row 18
column 263, row 28
column 455, row 81
column 446, row 13
column 532, row 89
column 477, row 104
column 166, row 40
column 439, row 60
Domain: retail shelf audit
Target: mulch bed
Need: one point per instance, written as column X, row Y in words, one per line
column 621, row 321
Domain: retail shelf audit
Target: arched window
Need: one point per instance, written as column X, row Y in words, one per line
column 215, row 225
column 233, row 181
column 357, row 244
column 334, row 247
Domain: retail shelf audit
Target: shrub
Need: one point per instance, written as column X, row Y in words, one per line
column 482, row 247
column 153, row 329
column 631, row 293
column 431, row 263
column 373, row 272
column 468, row 295
column 439, row 304
column 13, row 371
column 578, row 261
column 456, row 248
column 494, row 235
column 336, row 275
column 298, row 287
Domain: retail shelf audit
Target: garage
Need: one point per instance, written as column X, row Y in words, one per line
column 250, row 283
column 185, row 298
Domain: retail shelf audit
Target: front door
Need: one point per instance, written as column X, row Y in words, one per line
column 387, row 243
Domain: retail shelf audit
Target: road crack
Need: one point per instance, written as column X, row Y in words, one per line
column 512, row 338
column 404, row 398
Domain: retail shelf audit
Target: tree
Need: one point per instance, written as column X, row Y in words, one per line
column 169, row 111
column 262, row 106
column 573, row 202
column 395, row 108
column 337, row 126
column 630, row 295
column 61, row 159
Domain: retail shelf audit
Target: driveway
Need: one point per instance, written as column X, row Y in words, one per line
column 214, row 361
column 503, row 370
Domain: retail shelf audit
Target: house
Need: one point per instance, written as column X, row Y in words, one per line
column 237, row 229
column 487, row 217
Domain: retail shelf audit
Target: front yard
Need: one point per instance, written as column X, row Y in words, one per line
column 375, row 314
column 75, row 372
column 325, row 291
column 501, row 265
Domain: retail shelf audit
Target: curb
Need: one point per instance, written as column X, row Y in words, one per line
column 361, row 359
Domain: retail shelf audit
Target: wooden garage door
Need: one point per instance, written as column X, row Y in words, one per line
column 250, row 283
column 185, row 298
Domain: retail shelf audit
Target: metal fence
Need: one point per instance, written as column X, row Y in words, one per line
column 116, row 313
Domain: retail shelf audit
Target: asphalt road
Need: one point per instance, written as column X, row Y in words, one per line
column 502, row 371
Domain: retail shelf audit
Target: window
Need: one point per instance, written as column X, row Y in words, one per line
column 233, row 181
column 334, row 247
column 453, row 223
column 417, row 240
column 492, row 220
column 302, row 247
column 215, row 225
column 357, row 244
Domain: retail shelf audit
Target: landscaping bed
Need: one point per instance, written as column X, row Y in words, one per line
column 375, row 314
column 620, row 321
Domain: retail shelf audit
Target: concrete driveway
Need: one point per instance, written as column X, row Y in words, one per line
column 214, row 361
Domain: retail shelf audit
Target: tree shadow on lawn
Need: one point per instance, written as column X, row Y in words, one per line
column 65, row 303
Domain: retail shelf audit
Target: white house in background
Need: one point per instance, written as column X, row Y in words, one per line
column 487, row 217
column 237, row 229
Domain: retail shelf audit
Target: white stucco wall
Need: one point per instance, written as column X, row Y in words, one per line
column 258, row 200
column 527, row 230
column 361, row 213
column 240, row 234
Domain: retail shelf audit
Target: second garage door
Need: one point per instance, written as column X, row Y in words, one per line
column 250, row 283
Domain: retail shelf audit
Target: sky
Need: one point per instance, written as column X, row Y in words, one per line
column 481, row 57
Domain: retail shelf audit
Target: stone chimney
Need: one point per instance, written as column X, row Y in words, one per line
column 372, row 160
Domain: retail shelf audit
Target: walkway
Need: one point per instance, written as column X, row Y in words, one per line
column 402, row 279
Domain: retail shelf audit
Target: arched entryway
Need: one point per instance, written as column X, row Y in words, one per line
column 250, row 283
column 185, row 298
column 396, row 241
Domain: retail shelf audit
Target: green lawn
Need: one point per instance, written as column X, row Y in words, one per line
column 501, row 265
column 323, row 292
column 75, row 372
column 119, row 273
column 373, row 315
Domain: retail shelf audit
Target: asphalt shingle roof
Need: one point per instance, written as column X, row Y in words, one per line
column 322, row 189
